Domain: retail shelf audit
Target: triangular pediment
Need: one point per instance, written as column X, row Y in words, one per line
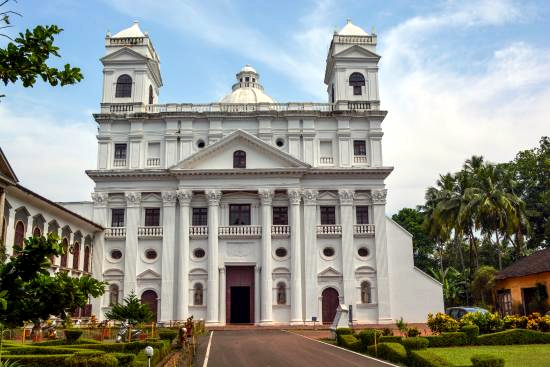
column 259, row 155
column 6, row 172
column 357, row 51
column 329, row 272
column 149, row 275
column 123, row 55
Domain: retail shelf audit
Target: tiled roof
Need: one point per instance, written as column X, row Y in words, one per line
column 538, row 262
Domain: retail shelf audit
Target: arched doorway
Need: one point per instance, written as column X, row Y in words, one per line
column 330, row 303
column 150, row 299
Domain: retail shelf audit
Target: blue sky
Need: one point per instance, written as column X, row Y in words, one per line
column 457, row 77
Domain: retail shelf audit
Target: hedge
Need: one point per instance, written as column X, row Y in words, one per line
column 141, row 358
column 64, row 342
column 72, row 335
column 486, row 360
column 472, row 332
column 350, row 342
column 415, row 343
column 132, row 347
column 449, row 339
column 168, row 334
column 344, row 331
column 124, row 359
column 79, row 360
column 390, row 339
column 393, row 352
column 50, row 360
column 425, row 358
column 367, row 337
column 20, row 350
column 514, row 336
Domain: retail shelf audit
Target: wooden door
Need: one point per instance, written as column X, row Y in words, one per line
column 330, row 303
column 239, row 294
column 150, row 298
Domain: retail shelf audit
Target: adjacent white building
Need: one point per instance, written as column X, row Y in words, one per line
column 247, row 209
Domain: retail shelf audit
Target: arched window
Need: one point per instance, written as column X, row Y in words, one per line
column 151, row 97
column 197, row 294
column 123, row 86
column 150, row 298
column 76, row 255
column 365, row 292
column 239, row 159
column 36, row 232
column 64, row 257
column 87, row 259
column 113, row 294
column 281, row 293
column 357, row 80
column 19, row 236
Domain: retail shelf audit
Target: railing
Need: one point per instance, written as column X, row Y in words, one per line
column 329, row 230
column 121, row 107
column 127, row 41
column 150, row 232
column 153, row 162
column 358, row 105
column 280, row 231
column 363, row 230
column 115, row 232
column 198, row 232
column 360, row 159
column 326, row 160
column 237, row 107
column 119, row 163
column 369, row 40
column 240, row 232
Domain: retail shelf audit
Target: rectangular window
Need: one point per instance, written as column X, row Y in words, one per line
column 359, row 147
column 362, row 213
column 152, row 217
column 117, row 217
column 280, row 215
column 357, row 90
column 120, row 151
column 328, row 215
column 239, row 214
column 200, row 217
column 325, row 148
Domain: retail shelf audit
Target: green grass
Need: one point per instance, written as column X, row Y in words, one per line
column 533, row 355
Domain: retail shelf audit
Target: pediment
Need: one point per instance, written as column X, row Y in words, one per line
column 259, row 155
column 23, row 211
column 123, row 55
column 113, row 273
column 5, row 169
column 198, row 272
column 365, row 270
column 281, row 271
column 327, row 195
column 330, row 272
column 357, row 51
column 149, row 275
column 38, row 219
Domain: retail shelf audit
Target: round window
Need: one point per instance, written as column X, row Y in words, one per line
column 328, row 251
column 199, row 253
column 280, row 143
column 151, row 254
column 116, row 254
column 281, row 252
column 200, row 144
column 363, row 252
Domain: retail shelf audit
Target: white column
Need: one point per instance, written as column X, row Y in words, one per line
column 296, row 315
column 100, row 216
column 266, row 197
column 257, row 270
column 222, row 295
column 310, row 261
column 182, row 301
column 133, row 206
column 2, row 205
column 212, row 315
column 167, row 289
column 381, row 244
column 346, row 220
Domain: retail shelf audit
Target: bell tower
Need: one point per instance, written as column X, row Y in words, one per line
column 131, row 68
column 351, row 73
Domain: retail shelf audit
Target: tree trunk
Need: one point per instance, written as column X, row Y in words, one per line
column 499, row 251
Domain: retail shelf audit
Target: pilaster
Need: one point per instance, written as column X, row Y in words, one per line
column 100, row 216
column 222, row 296
column 133, row 205
column 257, row 271
column 310, row 261
column 213, row 197
column 182, row 259
column 296, row 314
column 346, row 220
column 382, row 266
column 167, row 289
column 266, row 198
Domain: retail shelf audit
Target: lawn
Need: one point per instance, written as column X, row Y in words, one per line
column 533, row 355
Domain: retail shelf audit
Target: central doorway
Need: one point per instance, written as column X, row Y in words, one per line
column 330, row 302
column 239, row 290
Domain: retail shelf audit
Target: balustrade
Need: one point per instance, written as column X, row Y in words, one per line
column 326, row 160
column 153, row 162
column 119, row 163
column 240, row 232
column 360, row 159
column 197, row 232
column 115, row 232
column 329, row 230
column 363, row 230
column 280, row 231
column 150, row 232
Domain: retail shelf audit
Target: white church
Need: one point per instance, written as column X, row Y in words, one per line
column 248, row 210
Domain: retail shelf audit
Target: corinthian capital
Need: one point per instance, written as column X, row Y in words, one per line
column 346, row 196
column 213, row 197
column 266, row 196
column 100, row 198
column 294, row 196
column 169, row 197
column 379, row 196
column 310, row 197
column 133, row 198
column 184, row 196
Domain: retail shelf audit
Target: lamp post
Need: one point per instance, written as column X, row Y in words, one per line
column 149, row 353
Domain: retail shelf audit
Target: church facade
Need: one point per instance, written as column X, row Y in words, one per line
column 248, row 210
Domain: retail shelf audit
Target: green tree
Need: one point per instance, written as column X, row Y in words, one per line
column 25, row 58
column 31, row 293
column 132, row 310
column 454, row 285
column 483, row 283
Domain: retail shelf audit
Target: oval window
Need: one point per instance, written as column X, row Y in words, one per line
column 280, row 142
column 363, row 252
column 201, row 144
column 328, row 251
column 199, row 253
column 151, row 254
column 281, row 252
column 116, row 254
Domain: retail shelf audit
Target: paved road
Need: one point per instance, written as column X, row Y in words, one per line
column 274, row 348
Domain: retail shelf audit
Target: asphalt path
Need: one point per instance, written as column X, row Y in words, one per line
column 277, row 348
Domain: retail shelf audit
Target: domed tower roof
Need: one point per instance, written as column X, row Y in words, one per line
column 247, row 89
column 132, row 31
column 351, row 29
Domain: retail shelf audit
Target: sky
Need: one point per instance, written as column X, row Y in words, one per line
column 457, row 78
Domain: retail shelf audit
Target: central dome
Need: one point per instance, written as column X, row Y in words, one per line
column 247, row 89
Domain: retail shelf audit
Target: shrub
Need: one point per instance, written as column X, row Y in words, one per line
column 51, row 360
column 387, row 331
column 390, row 339
column 393, row 352
column 78, row 360
column 415, row 343
column 168, row 334
column 441, row 322
column 72, row 335
column 472, row 332
column 486, row 360
column 344, row 331
column 24, row 349
column 487, row 322
column 514, row 336
column 413, row 332
column 124, row 359
column 425, row 358
column 450, row 339
column 515, row 322
column 368, row 337
column 350, row 342
column 64, row 342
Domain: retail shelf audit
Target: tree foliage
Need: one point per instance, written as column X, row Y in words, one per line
column 132, row 310
column 31, row 293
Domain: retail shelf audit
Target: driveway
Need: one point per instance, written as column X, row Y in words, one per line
column 277, row 348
